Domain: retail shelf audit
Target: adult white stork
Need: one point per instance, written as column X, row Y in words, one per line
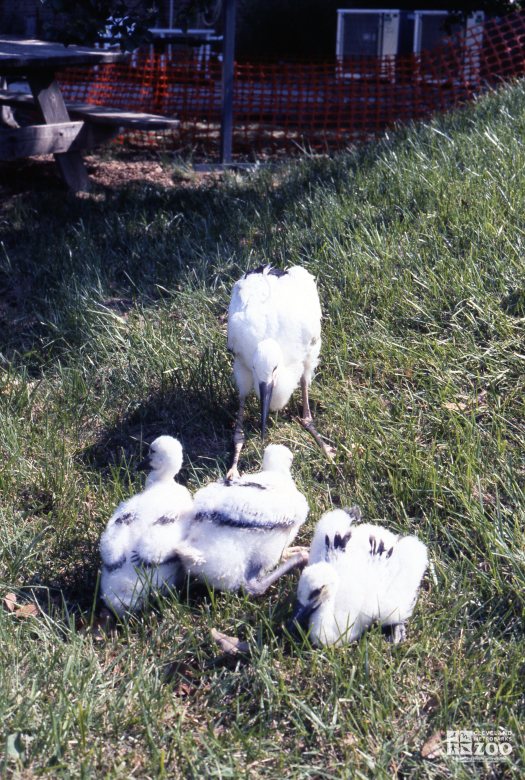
column 358, row 575
column 133, row 546
column 274, row 332
column 242, row 528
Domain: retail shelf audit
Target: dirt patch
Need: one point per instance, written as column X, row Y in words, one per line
column 115, row 173
column 41, row 174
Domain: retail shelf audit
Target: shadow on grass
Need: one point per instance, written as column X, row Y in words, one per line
column 207, row 445
column 121, row 245
column 75, row 591
column 203, row 428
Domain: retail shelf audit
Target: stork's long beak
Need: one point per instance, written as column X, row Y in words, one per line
column 265, row 392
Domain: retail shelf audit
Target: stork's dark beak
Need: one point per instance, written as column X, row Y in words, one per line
column 145, row 465
column 265, row 392
column 300, row 618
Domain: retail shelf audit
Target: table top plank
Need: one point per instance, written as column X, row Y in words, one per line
column 22, row 55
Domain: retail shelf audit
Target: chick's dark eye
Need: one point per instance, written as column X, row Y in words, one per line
column 314, row 594
column 275, row 369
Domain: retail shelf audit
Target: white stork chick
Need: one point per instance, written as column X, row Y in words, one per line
column 136, row 547
column 274, row 332
column 241, row 528
column 358, row 575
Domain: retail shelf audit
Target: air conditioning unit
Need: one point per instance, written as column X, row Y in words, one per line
column 431, row 30
column 365, row 33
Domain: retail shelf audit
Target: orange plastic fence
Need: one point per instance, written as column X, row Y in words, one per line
column 291, row 106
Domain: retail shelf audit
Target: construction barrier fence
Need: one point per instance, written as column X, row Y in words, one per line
column 320, row 107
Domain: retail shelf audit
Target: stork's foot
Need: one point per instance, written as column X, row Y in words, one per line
column 238, row 441
column 308, row 425
column 103, row 625
column 259, row 586
column 291, row 551
column 256, row 587
column 232, row 474
column 106, row 617
column 189, row 555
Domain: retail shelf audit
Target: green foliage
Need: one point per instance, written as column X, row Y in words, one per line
column 186, row 12
column 123, row 22
column 88, row 22
column 113, row 332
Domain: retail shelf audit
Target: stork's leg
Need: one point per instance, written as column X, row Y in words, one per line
column 103, row 625
column 256, row 587
column 238, row 441
column 400, row 633
column 7, row 118
column 308, row 424
column 290, row 551
column 106, row 616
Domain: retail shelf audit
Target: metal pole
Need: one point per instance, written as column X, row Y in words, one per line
column 228, row 53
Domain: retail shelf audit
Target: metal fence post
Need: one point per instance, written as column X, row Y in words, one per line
column 228, row 52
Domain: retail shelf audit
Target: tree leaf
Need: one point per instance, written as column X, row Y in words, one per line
column 27, row 610
column 10, row 602
column 14, row 747
column 433, row 747
column 460, row 406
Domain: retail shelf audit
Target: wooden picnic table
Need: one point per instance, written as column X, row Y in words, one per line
column 37, row 62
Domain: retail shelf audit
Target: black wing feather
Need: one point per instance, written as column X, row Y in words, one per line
column 165, row 520
column 262, row 268
column 125, row 519
column 220, row 518
column 116, row 565
column 238, row 483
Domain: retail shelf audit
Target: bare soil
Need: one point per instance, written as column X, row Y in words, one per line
column 42, row 174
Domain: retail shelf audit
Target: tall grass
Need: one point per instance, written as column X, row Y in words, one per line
column 113, row 331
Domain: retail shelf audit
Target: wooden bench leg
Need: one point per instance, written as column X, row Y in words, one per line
column 6, row 112
column 48, row 97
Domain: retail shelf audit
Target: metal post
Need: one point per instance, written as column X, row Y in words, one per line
column 228, row 53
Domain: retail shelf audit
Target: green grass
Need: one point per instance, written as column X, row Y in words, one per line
column 112, row 332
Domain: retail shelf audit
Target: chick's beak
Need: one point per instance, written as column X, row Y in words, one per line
column 300, row 618
column 145, row 464
column 265, row 392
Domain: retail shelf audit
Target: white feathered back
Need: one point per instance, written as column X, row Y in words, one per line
column 284, row 308
column 242, row 527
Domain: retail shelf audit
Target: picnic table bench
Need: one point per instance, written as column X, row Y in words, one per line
column 68, row 128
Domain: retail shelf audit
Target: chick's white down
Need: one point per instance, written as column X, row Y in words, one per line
column 133, row 546
column 241, row 528
column 274, row 332
column 358, row 575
